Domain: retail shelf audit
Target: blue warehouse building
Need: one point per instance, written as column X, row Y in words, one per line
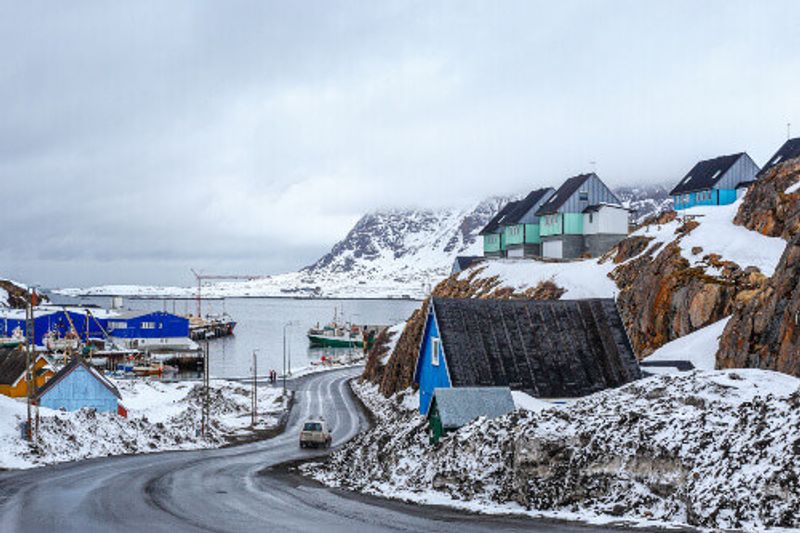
column 547, row 349
column 714, row 181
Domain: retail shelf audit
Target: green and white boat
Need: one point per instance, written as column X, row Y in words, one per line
column 16, row 339
column 346, row 335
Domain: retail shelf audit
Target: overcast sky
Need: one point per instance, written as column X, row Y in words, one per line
column 139, row 139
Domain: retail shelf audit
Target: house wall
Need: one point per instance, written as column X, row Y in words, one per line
column 428, row 376
column 550, row 225
column 573, row 223
column 743, row 170
column 491, row 243
column 166, row 325
column 598, row 244
column 77, row 390
column 514, row 234
column 532, row 234
column 571, row 245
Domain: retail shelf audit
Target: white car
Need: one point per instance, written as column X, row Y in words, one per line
column 316, row 433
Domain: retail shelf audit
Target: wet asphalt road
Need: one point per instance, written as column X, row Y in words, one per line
column 228, row 489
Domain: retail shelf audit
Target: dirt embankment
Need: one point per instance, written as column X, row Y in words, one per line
column 764, row 331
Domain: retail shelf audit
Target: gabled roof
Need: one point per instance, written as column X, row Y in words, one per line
column 12, row 365
column 523, row 206
column 460, row 406
column 563, row 194
column 494, row 223
column 465, row 261
column 75, row 363
column 550, row 349
column 706, row 174
column 789, row 150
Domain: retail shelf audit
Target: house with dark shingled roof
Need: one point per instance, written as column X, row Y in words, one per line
column 582, row 219
column 548, row 349
column 789, row 150
column 714, row 181
column 521, row 225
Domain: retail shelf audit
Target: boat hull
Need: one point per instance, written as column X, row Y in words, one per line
column 327, row 341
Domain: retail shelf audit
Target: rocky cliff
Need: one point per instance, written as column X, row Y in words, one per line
column 764, row 331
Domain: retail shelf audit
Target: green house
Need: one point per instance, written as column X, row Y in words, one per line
column 521, row 225
column 494, row 244
column 452, row 408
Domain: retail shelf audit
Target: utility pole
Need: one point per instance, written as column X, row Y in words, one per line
column 29, row 377
column 206, row 400
column 255, row 397
column 284, row 359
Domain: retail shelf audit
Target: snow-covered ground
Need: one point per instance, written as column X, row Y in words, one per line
column 699, row 347
column 161, row 416
column 716, row 449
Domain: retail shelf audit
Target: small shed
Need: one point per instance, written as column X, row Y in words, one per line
column 77, row 385
column 13, row 362
column 453, row 408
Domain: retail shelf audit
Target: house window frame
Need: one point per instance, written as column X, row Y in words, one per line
column 583, row 196
column 436, row 346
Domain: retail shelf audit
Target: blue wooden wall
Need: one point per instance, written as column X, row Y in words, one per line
column 429, row 376
column 77, row 390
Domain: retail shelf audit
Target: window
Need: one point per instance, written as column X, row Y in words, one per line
column 717, row 173
column 591, row 218
column 117, row 325
column 148, row 325
column 583, row 196
column 435, row 347
column 777, row 158
column 688, row 179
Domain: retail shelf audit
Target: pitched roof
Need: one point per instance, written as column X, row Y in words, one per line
column 523, row 206
column 551, row 349
column 706, row 174
column 465, row 261
column 789, row 150
column 460, row 406
column 563, row 193
column 494, row 223
column 12, row 364
column 66, row 370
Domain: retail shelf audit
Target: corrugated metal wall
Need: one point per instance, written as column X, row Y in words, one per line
column 598, row 193
column 743, row 170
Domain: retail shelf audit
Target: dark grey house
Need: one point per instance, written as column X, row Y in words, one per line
column 714, row 181
column 789, row 150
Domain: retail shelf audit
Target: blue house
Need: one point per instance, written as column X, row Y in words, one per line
column 789, row 150
column 714, row 181
column 76, row 386
column 548, row 349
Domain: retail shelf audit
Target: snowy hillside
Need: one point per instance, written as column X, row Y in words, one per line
column 391, row 253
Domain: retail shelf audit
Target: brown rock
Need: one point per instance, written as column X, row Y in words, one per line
column 767, row 209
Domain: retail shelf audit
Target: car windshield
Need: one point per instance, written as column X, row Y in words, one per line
column 312, row 426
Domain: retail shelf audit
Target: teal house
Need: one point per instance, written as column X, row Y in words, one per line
column 77, row 386
column 714, row 181
column 520, row 226
column 582, row 219
column 494, row 243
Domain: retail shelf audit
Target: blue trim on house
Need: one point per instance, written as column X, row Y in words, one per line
column 427, row 375
column 706, row 197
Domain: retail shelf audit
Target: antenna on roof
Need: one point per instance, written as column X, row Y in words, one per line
column 594, row 166
column 788, row 130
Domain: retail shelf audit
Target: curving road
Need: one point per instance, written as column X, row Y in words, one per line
column 227, row 489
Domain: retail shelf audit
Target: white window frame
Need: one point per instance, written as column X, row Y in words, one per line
column 436, row 346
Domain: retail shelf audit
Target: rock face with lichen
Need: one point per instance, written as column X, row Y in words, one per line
column 764, row 331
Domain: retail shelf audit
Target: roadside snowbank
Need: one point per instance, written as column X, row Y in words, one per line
column 713, row 449
column 161, row 416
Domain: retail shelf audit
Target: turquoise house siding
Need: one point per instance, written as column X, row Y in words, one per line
column 532, row 235
column 707, row 197
column 550, row 225
column 77, row 390
column 427, row 375
column 514, row 234
column 573, row 223
column 491, row 243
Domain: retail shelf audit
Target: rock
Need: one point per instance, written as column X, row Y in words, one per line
column 764, row 331
column 767, row 208
column 697, row 250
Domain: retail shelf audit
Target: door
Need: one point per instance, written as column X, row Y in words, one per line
column 516, row 252
column 554, row 249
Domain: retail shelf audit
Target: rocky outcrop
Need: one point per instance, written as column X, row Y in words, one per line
column 17, row 296
column 767, row 208
column 764, row 331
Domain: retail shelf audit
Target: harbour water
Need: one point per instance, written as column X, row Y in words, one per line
column 261, row 324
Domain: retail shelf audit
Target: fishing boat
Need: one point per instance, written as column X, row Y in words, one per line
column 14, row 340
column 343, row 335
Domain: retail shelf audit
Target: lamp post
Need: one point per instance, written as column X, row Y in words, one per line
column 255, row 397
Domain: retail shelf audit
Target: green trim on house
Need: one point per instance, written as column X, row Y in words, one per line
column 491, row 243
column 532, row 235
column 573, row 223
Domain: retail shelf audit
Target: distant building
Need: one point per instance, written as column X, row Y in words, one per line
column 714, row 181
column 583, row 218
column 789, row 150
column 548, row 349
column 494, row 244
column 463, row 262
column 150, row 331
column 77, row 386
column 520, row 225
column 13, row 363
column 453, row 408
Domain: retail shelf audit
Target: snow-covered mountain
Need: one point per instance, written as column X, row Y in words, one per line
column 392, row 253
column 646, row 200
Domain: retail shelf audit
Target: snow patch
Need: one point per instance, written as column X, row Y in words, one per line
column 699, row 347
